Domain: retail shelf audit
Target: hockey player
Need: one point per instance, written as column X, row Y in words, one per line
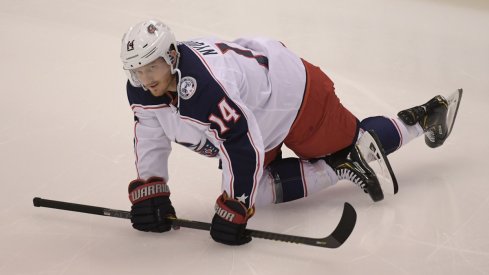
column 240, row 102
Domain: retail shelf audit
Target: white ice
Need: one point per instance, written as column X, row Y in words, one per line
column 66, row 134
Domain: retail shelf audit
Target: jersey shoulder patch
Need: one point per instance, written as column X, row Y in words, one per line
column 187, row 87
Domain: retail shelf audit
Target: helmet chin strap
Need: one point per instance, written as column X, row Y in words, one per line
column 179, row 77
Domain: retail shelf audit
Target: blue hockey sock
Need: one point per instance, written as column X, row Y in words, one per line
column 386, row 130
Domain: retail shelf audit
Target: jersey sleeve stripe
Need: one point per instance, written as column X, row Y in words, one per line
column 136, row 147
column 257, row 169
column 231, row 179
column 153, row 107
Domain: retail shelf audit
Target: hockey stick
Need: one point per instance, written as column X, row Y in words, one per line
column 334, row 240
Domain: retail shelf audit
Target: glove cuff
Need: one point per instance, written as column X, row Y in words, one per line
column 232, row 210
column 149, row 190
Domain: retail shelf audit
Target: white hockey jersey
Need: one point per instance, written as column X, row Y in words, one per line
column 236, row 101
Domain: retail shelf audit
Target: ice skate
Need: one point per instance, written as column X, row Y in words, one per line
column 436, row 117
column 355, row 169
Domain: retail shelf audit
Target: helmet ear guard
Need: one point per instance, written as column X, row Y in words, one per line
column 145, row 42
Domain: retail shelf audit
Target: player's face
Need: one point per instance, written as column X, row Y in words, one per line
column 156, row 77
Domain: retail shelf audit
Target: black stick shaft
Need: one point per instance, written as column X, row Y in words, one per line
column 334, row 240
column 38, row 202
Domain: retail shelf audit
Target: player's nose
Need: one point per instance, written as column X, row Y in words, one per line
column 145, row 79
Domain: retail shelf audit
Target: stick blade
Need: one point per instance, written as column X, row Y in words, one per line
column 343, row 230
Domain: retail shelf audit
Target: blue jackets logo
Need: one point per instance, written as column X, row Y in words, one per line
column 187, row 87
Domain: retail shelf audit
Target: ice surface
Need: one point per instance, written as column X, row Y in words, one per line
column 66, row 134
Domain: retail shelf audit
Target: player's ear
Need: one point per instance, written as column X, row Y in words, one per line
column 173, row 56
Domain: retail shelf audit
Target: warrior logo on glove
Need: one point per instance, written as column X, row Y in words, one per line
column 148, row 191
column 224, row 214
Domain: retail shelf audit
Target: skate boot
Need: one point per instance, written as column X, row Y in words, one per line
column 355, row 169
column 432, row 116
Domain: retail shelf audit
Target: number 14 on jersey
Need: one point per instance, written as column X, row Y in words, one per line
column 227, row 114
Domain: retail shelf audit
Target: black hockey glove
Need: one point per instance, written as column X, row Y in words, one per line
column 151, row 205
column 229, row 222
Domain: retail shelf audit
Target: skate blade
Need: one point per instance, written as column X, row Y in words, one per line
column 453, row 104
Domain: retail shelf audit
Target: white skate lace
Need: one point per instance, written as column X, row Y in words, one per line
column 347, row 174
